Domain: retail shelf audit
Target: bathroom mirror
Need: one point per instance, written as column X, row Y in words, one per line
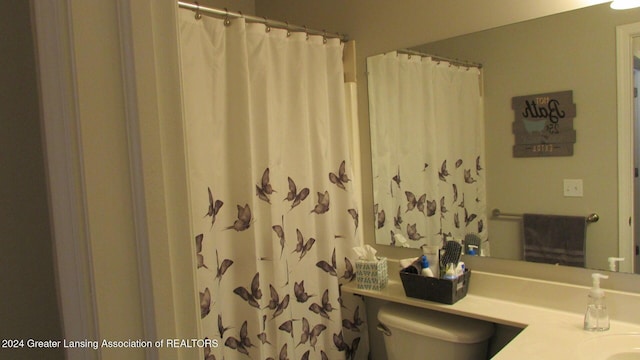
column 572, row 51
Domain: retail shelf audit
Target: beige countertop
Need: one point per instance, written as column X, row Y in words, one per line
column 549, row 331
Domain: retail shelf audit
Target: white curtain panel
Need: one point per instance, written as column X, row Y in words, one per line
column 274, row 213
column 427, row 132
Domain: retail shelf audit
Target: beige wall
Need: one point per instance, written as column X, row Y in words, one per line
column 379, row 26
column 570, row 51
column 29, row 302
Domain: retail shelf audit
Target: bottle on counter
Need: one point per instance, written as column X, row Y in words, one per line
column 426, row 271
column 597, row 316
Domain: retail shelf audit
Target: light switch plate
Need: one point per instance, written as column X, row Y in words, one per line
column 572, row 187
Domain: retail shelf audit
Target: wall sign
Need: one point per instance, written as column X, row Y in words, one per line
column 543, row 124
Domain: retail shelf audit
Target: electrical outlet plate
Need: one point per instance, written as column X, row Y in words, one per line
column 572, row 187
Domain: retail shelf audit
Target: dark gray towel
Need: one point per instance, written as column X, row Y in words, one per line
column 554, row 239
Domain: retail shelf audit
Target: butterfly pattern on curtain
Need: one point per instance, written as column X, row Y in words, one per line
column 320, row 307
column 428, row 150
column 447, row 205
column 275, row 213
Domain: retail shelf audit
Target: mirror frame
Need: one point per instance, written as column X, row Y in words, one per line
column 624, row 50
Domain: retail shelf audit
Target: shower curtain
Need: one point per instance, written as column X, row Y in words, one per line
column 275, row 215
column 427, row 131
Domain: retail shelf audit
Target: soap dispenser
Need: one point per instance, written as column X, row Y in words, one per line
column 597, row 317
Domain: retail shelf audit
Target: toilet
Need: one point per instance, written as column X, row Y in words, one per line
column 416, row 333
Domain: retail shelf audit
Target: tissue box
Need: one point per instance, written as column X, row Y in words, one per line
column 433, row 289
column 372, row 275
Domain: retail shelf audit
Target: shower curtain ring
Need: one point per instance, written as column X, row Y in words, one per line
column 198, row 16
column 226, row 22
column 306, row 32
column 267, row 28
column 288, row 29
column 324, row 36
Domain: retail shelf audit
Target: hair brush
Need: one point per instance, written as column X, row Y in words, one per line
column 452, row 251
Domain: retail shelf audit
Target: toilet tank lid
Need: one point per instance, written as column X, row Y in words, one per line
column 435, row 324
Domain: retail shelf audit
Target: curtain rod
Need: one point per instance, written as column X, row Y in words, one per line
column 456, row 62
column 269, row 23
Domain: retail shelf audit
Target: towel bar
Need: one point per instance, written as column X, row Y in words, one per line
column 591, row 218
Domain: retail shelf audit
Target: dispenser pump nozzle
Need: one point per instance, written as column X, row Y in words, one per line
column 595, row 290
column 612, row 262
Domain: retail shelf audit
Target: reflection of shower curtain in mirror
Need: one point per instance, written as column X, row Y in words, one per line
column 274, row 210
column 427, row 135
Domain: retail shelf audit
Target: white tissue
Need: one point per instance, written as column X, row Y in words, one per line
column 367, row 253
column 401, row 241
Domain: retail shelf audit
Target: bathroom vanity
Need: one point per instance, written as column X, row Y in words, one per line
column 550, row 314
